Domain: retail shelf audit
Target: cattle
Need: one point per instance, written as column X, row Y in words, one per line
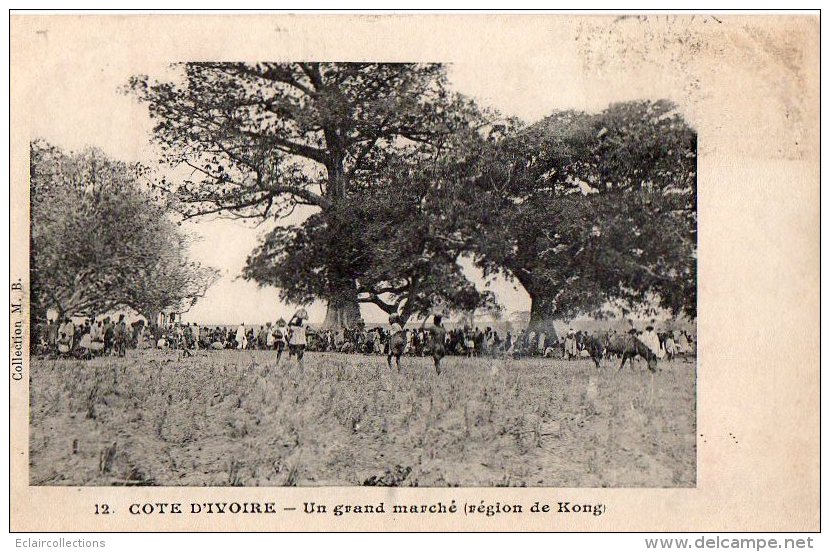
column 596, row 345
column 626, row 346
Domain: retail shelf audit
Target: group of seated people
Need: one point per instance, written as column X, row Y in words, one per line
column 192, row 336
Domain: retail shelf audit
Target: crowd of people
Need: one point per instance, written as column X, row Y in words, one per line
column 106, row 336
column 91, row 336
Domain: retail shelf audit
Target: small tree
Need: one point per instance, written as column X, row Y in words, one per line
column 99, row 242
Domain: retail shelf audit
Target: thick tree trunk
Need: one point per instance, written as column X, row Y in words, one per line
column 343, row 309
column 152, row 317
column 542, row 312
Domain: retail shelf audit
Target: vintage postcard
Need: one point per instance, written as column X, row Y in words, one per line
column 414, row 272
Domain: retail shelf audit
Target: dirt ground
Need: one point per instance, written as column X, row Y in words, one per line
column 225, row 418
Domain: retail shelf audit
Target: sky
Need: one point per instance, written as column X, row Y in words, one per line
column 89, row 108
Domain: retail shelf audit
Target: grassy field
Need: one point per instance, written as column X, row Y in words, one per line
column 224, row 418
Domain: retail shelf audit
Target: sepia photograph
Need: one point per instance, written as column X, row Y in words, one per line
column 276, row 266
column 445, row 295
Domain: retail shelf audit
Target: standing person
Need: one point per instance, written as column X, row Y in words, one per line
column 38, row 336
column 377, row 342
column 682, row 342
column 570, row 345
column 437, row 335
column 279, row 338
column 409, row 343
column 241, row 338
column 66, row 335
column 670, row 346
column 652, row 341
column 261, row 338
column 298, row 340
column 52, row 335
column 269, row 336
column 339, row 339
column 529, row 344
column 186, row 338
column 478, row 339
column 85, row 341
column 542, row 345
column 109, row 335
column 520, row 342
column 121, row 336
column 469, row 341
column 396, row 341
column 491, row 338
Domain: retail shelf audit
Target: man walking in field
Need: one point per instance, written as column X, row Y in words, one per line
column 437, row 335
column 396, row 341
column 279, row 338
column 297, row 340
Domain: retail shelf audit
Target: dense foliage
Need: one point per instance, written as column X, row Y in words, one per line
column 407, row 177
column 100, row 243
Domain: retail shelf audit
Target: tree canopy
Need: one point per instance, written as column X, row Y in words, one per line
column 99, row 241
column 394, row 239
column 260, row 139
column 583, row 209
column 406, row 177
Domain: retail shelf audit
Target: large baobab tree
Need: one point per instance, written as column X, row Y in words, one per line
column 259, row 139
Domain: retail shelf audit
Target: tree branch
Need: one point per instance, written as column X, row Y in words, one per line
column 384, row 306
